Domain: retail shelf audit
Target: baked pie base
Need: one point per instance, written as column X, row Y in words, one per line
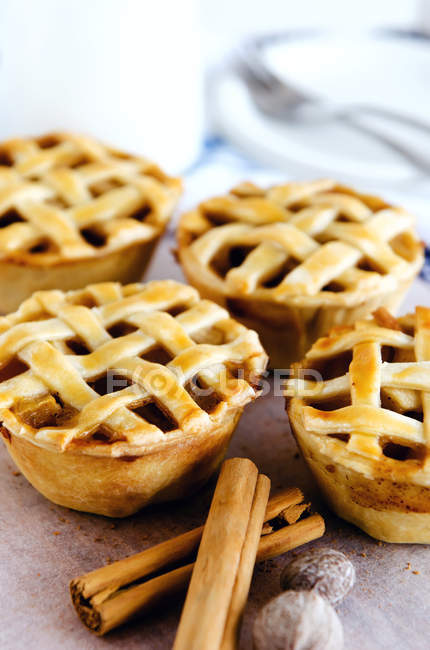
column 120, row 486
column 386, row 509
column 115, row 396
column 359, row 409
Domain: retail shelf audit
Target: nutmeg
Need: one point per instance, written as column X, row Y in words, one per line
column 324, row 571
column 298, row 620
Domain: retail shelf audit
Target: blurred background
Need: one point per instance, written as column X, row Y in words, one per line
column 231, row 89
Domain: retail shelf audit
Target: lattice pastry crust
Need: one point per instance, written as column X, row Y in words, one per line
column 65, row 196
column 69, row 206
column 359, row 407
column 181, row 371
column 280, row 255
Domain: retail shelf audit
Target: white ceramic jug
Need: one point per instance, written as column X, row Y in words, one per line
column 126, row 71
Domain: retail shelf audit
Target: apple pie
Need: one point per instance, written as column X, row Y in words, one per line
column 359, row 407
column 73, row 211
column 294, row 260
column 113, row 397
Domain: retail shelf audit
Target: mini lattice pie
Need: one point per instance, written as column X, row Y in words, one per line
column 359, row 406
column 73, row 211
column 112, row 397
column 296, row 259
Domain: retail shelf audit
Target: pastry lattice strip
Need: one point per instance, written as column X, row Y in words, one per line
column 42, row 346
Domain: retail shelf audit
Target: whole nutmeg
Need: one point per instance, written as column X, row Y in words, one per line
column 298, row 620
column 324, row 571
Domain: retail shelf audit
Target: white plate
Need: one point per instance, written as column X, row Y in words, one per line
column 387, row 71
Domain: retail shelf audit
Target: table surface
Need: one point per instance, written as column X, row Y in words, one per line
column 43, row 546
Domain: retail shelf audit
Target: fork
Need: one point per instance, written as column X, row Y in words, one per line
column 281, row 100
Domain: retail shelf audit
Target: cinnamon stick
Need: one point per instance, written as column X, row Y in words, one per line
column 289, row 537
column 105, row 581
column 294, row 512
column 112, row 612
column 246, row 565
column 104, row 598
column 210, row 592
column 280, row 502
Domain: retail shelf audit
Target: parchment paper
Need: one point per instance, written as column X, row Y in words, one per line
column 43, row 546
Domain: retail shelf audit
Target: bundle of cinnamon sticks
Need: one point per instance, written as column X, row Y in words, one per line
column 242, row 528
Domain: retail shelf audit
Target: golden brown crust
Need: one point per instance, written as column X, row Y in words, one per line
column 66, row 197
column 72, row 346
column 297, row 259
column 73, row 210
